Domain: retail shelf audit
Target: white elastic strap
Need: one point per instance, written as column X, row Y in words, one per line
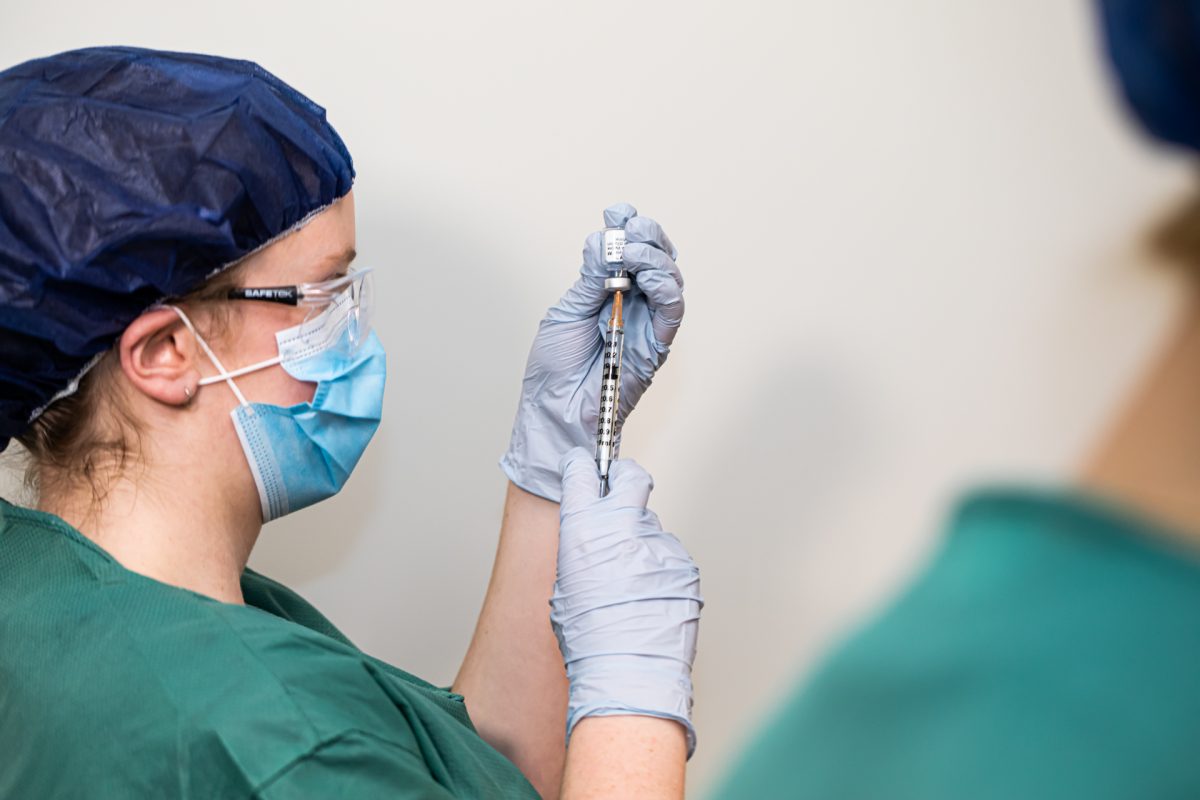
column 223, row 374
column 237, row 373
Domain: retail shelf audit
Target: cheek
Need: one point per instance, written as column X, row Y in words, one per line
column 295, row 391
column 257, row 338
column 275, row 386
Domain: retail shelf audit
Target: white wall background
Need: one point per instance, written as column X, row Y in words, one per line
column 909, row 235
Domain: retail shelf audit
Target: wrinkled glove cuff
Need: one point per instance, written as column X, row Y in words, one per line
column 626, row 684
column 544, row 480
column 537, row 446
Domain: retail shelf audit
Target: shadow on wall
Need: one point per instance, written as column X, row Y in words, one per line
column 784, row 462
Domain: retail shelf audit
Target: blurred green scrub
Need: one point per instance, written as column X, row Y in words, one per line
column 1049, row 651
column 266, row 700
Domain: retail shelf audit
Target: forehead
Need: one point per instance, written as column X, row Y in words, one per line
column 321, row 248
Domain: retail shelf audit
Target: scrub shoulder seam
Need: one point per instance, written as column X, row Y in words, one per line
column 49, row 524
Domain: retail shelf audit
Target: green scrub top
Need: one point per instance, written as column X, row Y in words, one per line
column 1051, row 650
column 113, row 685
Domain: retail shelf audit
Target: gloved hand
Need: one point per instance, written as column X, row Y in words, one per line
column 626, row 603
column 560, row 397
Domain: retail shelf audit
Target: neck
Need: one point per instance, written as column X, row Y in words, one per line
column 1150, row 459
column 197, row 540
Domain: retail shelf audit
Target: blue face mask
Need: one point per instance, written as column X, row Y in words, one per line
column 303, row 454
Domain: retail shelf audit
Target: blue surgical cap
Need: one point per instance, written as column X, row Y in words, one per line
column 1154, row 46
column 131, row 175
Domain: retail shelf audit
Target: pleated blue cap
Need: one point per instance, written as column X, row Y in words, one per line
column 1154, row 46
column 131, row 175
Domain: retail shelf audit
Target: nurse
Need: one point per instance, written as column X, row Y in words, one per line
column 1050, row 649
column 186, row 353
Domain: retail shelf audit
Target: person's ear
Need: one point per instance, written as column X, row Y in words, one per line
column 158, row 356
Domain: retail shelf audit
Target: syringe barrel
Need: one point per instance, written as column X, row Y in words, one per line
column 610, row 400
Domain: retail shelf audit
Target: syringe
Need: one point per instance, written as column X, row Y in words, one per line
column 614, row 339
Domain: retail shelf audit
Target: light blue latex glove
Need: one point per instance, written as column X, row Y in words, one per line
column 560, row 397
column 626, row 603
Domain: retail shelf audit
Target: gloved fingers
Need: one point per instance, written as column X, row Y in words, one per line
column 647, row 247
column 659, row 279
column 629, row 485
column 646, row 231
column 640, row 256
column 593, row 259
column 665, row 299
column 618, row 214
column 580, row 480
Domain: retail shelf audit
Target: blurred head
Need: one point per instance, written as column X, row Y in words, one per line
column 1154, row 50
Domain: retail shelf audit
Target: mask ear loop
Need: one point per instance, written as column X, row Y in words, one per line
column 224, row 375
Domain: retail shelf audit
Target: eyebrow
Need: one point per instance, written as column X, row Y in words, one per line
column 343, row 258
column 338, row 262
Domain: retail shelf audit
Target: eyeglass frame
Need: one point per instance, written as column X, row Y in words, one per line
column 314, row 293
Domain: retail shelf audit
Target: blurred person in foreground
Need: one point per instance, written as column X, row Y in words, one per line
column 1050, row 649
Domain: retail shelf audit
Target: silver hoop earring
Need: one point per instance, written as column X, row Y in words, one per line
column 187, row 392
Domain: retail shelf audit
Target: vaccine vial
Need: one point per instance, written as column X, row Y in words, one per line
column 614, row 245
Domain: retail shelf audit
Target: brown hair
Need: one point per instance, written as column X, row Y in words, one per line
column 1176, row 237
column 91, row 437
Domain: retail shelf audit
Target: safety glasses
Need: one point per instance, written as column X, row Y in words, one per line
column 356, row 288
